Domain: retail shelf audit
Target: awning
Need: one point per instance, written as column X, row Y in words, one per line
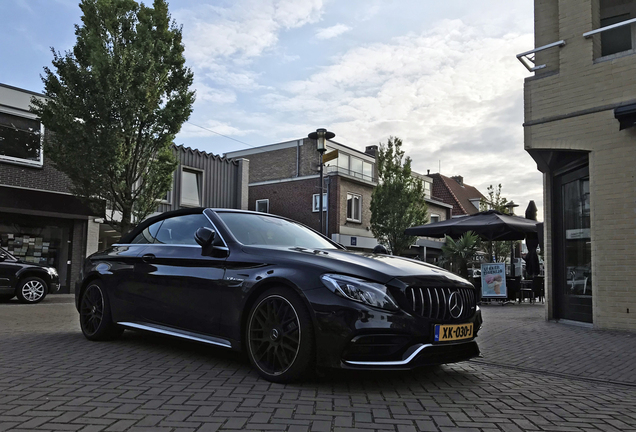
column 626, row 116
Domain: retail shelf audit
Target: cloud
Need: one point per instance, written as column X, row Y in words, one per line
column 453, row 93
column 332, row 32
column 243, row 31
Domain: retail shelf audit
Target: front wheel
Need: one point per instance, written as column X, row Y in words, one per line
column 95, row 316
column 31, row 290
column 280, row 336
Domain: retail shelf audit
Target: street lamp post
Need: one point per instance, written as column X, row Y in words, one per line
column 511, row 211
column 321, row 135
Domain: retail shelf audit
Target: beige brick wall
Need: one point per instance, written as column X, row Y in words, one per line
column 583, row 83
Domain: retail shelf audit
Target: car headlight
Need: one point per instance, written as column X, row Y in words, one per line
column 359, row 290
column 51, row 271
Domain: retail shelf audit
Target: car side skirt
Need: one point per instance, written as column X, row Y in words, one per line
column 183, row 334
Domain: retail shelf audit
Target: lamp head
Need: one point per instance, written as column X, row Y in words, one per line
column 321, row 135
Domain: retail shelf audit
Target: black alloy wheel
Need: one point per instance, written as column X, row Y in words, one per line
column 280, row 336
column 95, row 318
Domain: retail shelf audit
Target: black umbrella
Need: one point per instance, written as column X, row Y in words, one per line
column 489, row 225
column 532, row 241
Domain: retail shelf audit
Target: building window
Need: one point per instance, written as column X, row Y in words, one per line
column 427, row 189
column 354, row 207
column 316, row 202
column 353, row 166
column 191, row 187
column 262, row 205
column 20, row 139
column 434, row 218
column 620, row 39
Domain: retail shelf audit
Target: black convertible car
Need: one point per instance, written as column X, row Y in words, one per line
column 288, row 296
column 29, row 282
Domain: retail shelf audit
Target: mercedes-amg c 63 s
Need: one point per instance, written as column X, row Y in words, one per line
column 289, row 297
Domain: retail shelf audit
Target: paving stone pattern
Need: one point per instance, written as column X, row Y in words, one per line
column 51, row 378
column 517, row 335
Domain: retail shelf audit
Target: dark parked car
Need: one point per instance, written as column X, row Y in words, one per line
column 288, row 296
column 29, row 282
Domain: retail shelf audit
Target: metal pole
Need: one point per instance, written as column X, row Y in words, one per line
column 322, row 231
column 328, row 181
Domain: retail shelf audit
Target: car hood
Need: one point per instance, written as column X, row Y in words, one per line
column 378, row 267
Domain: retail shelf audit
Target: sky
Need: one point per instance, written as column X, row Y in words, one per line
column 440, row 75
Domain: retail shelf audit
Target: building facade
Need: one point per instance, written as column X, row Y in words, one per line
column 40, row 220
column 285, row 180
column 201, row 180
column 580, row 111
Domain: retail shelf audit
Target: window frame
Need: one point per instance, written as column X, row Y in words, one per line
column 315, row 202
column 198, row 172
column 352, row 219
column 20, row 161
column 432, row 216
column 265, row 200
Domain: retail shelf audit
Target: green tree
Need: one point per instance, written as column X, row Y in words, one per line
column 498, row 251
column 397, row 202
column 461, row 251
column 114, row 104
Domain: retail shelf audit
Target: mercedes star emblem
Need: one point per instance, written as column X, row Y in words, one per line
column 455, row 305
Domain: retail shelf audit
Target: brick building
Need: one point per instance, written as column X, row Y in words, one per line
column 40, row 220
column 580, row 109
column 463, row 198
column 284, row 180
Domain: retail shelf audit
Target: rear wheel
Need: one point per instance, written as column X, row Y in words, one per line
column 95, row 316
column 280, row 336
column 31, row 290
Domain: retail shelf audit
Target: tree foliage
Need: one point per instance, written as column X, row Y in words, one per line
column 461, row 251
column 114, row 104
column 497, row 251
column 397, row 202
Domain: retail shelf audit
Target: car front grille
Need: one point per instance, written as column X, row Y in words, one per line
column 434, row 302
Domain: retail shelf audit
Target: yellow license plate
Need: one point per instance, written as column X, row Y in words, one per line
column 453, row 332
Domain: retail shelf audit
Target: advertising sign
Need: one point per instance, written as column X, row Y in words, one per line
column 493, row 280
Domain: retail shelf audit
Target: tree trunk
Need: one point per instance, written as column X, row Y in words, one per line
column 125, row 225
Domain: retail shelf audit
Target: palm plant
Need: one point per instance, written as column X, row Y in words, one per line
column 461, row 251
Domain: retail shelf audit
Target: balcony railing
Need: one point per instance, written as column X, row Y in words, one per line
column 527, row 58
column 357, row 174
column 591, row 33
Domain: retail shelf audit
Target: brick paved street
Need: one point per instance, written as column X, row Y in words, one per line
column 51, row 378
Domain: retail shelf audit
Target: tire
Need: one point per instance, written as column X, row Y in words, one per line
column 95, row 314
column 32, row 290
column 280, row 336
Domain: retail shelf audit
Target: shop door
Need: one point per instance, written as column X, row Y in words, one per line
column 573, row 256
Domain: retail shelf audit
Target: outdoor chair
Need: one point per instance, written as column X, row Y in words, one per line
column 526, row 289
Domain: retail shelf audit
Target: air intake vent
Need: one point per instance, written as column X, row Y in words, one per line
column 436, row 303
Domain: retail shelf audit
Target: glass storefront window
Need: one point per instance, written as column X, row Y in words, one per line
column 37, row 240
column 578, row 247
column 20, row 139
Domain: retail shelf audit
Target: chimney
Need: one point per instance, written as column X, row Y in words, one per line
column 371, row 150
column 459, row 179
column 428, row 172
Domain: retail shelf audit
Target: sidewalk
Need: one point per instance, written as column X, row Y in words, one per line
column 517, row 336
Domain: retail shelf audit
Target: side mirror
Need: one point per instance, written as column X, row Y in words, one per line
column 205, row 237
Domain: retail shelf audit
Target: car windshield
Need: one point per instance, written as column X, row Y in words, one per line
column 262, row 230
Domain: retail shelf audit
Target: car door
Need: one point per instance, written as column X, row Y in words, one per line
column 8, row 268
column 129, row 301
column 179, row 281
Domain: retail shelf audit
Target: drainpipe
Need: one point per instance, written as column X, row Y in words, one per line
column 298, row 158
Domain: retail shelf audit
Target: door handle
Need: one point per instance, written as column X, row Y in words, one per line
column 148, row 258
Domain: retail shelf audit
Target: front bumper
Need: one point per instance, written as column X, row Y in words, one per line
column 354, row 336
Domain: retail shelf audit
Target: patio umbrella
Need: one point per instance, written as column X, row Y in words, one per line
column 489, row 225
column 532, row 241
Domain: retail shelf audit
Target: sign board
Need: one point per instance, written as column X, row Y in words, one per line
column 576, row 234
column 354, row 241
column 493, row 280
column 329, row 156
